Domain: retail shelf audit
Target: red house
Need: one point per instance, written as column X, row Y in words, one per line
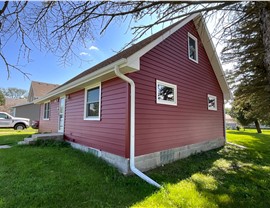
column 162, row 98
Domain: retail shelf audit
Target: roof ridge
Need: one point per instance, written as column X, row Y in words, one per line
column 43, row 82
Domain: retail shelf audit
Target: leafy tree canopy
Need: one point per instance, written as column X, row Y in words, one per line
column 2, row 98
column 13, row 92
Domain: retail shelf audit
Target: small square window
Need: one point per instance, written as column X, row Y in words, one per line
column 192, row 48
column 212, row 102
column 92, row 103
column 166, row 93
column 46, row 115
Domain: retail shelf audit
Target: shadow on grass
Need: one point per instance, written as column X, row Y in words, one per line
column 64, row 177
column 240, row 177
column 12, row 139
column 225, row 177
column 258, row 144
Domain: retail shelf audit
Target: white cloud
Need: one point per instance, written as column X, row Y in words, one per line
column 84, row 54
column 94, row 48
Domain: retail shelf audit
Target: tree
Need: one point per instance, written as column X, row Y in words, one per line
column 14, row 92
column 2, row 98
column 243, row 111
column 58, row 26
column 246, row 48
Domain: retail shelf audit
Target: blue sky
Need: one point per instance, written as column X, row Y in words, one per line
column 45, row 67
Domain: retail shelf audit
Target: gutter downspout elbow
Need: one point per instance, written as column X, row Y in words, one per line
column 132, row 129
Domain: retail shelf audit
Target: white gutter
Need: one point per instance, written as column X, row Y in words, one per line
column 61, row 90
column 132, row 129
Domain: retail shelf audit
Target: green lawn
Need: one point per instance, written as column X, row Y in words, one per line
column 12, row 137
column 38, row 176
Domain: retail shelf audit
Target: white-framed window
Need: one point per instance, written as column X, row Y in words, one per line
column 166, row 93
column 92, row 102
column 212, row 102
column 192, row 48
column 46, row 115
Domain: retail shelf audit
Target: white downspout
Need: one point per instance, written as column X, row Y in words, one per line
column 132, row 129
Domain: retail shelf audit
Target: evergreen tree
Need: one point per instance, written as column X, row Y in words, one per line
column 249, row 77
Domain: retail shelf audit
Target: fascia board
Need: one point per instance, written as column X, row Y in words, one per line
column 81, row 81
column 134, row 59
column 212, row 55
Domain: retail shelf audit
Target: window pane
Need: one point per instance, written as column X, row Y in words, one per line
column 46, row 110
column 93, row 95
column 61, row 105
column 211, row 102
column 192, row 49
column 3, row 116
column 92, row 109
column 165, row 93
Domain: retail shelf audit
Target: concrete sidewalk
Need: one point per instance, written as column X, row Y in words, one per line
column 4, row 146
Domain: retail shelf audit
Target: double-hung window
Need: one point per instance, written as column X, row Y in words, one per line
column 192, row 48
column 46, row 115
column 92, row 104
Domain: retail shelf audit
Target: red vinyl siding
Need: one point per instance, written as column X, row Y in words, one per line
column 50, row 125
column 160, row 127
column 109, row 134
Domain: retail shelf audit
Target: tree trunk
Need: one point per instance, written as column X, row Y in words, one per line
column 265, row 28
column 257, row 124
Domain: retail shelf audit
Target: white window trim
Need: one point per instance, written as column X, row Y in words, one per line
column 196, row 44
column 213, row 97
column 96, row 118
column 46, row 119
column 174, row 91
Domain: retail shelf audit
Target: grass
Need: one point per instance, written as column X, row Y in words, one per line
column 58, row 176
column 12, row 137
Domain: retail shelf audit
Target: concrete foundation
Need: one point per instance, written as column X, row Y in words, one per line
column 152, row 160
column 121, row 163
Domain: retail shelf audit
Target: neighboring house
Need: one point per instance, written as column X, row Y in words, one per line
column 230, row 122
column 27, row 110
column 30, row 110
column 175, row 108
column 10, row 102
column 39, row 89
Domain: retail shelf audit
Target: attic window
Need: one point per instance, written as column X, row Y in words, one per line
column 166, row 93
column 192, row 48
column 212, row 102
column 92, row 103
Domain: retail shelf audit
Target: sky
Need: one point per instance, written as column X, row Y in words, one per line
column 46, row 67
